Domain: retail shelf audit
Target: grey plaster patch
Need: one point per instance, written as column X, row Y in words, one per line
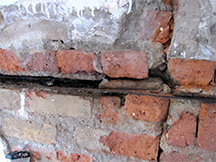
column 194, row 31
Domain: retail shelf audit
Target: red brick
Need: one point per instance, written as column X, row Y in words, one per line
column 110, row 104
column 9, row 61
column 207, row 131
column 192, row 72
column 73, row 157
column 141, row 146
column 75, row 61
column 153, row 109
column 154, row 26
column 45, row 61
column 130, row 64
column 182, row 132
column 177, row 157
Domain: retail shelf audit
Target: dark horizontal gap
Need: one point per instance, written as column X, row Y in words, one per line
column 51, row 81
column 83, row 87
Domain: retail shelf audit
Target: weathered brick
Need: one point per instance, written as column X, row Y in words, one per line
column 43, row 133
column 110, row 104
column 130, row 64
column 155, row 26
column 206, row 130
column 141, row 146
column 73, row 106
column 153, row 109
column 178, row 157
column 75, row 61
column 9, row 61
column 38, row 154
column 192, row 72
column 63, row 157
column 88, row 138
column 45, row 61
column 182, row 132
column 153, row 84
column 6, row 96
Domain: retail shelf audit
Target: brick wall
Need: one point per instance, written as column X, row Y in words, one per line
column 114, row 83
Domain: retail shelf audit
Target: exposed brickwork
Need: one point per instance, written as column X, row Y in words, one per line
column 182, row 132
column 110, row 104
column 177, row 157
column 45, row 61
column 192, row 72
column 9, row 61
column 130, row 64
column 75, row 61
column 146, row 107
column 73, row 157
column 141, row 146
column 207, row 131
column 43, row 133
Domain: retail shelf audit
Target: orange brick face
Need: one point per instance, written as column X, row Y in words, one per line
column 206, row 131
column 192, row 72
column 130, row 64
column 146, row 108
column 74, row 61
column 10, row 61
column 137, row 145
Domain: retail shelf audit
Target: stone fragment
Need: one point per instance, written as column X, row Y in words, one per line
column 141, row 146
column 151, row 84
column 75, row 61
column 130, row 64
column 166, row 89
column 22, row 129
column 178, row 157
column 206, row 128
column 182, row 132
column 44, row 61
column 9, row 61
column 192, row 72
column 63, row 157
column 152, row 109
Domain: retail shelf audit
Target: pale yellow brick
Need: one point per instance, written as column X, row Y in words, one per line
column 66, row 105
column 43, row 133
